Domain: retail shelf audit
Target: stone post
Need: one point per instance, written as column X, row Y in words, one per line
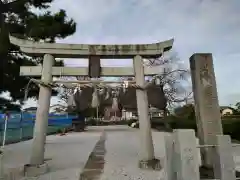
column 186, row 164
column 224, row 165
column 41, row 122
column 206, row 103
column 169, row 163
column 146, row 149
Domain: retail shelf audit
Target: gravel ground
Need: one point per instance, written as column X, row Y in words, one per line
column 122, row 155
column 68, row 154
column 121, row 160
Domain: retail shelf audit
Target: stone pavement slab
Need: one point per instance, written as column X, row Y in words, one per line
column 65, row 155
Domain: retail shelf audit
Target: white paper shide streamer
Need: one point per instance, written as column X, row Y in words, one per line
column 95, row 100
column 71, row 99
column 115, row 104
column 107, row 94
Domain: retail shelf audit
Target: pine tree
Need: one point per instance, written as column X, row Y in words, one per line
column 18, row 19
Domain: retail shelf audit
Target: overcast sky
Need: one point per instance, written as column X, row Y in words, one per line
column 196, row 25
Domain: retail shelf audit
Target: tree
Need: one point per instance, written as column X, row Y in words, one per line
column 83, row 100
column 6, row 104
column 172, row 82
column 238, row 106
column 185, row 112
column 174, row 79
column 65, row 92
column 18, row 19
column 236, row 110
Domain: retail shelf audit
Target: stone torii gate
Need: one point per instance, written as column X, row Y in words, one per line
column 94, row 53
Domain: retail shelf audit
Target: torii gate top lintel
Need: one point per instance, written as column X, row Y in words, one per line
column 124, row 51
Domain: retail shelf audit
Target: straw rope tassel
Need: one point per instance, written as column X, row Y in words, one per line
column 95, row 100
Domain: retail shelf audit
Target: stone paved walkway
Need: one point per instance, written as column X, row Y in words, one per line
column 114, row 156
column 66, row 155
column 95, row 164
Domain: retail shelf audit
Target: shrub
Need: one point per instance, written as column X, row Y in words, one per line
column 183, row 124
column 230, row 126
column 94, row 122
column 91, row 122
column 130, row 121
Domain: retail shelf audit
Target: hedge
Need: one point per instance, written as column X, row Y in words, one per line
column 94, row 122
column 230, row 126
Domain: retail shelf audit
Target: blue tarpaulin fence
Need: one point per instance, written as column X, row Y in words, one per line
column 20, row 126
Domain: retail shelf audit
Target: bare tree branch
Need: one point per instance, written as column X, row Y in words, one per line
column 171, row 78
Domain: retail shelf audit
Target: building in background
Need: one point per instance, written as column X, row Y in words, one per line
column 58, row 109
column 226, row 110
column 31, row 110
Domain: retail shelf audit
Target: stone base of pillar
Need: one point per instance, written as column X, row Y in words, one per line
column 35, row 170
column 9, row 173
column 153, row 164
column 206, row 172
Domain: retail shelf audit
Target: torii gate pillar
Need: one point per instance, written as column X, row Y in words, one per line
column 147, row 159
column 41, row 122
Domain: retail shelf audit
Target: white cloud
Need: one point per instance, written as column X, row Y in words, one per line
column 197, row 26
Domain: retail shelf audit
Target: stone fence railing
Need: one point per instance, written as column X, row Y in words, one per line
column 183, row 160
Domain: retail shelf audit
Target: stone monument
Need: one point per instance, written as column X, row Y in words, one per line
column 206, row 103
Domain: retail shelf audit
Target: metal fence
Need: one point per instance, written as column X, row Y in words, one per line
column 20, row 126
